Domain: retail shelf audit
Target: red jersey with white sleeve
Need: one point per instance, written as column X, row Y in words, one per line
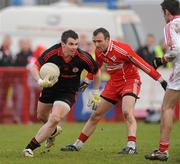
column 122, row 64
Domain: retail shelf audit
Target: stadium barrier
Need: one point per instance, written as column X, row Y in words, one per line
column 19, row 95
column 14, row 95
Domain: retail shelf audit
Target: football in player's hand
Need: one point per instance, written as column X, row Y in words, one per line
column 50, row 72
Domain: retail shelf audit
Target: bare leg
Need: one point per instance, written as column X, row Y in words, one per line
column 58, row 113
column 43, row 111
column 128, row 103
column 170, row 99
column 90, row 126
column 96, row 116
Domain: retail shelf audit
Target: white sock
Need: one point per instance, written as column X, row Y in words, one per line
column 78, row 144
column 131, row 144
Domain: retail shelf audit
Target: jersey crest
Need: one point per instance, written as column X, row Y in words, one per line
column 75, row 69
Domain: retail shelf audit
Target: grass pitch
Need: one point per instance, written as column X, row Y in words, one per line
column 101, row 148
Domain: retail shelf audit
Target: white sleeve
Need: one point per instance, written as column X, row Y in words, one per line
column 172, row 38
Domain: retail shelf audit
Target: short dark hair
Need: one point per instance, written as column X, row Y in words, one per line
column 68, row 34
column 103, row 31
column 172, row 6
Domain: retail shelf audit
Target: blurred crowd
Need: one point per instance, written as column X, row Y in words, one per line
column 24, row 57
column 11, row 91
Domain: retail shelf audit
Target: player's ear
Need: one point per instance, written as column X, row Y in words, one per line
column 107, row 39
column 166, row 12
column 63, row 44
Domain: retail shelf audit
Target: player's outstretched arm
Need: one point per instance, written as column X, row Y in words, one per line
column 143, row 65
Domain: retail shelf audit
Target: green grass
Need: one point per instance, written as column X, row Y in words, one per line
column 101, row 148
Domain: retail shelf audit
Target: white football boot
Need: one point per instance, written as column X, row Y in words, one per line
column 28, row 153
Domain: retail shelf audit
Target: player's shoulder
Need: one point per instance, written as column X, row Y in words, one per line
column 176, row 19
column 176, row 24
column 54, row 48
column 82, row 53
column 120, row 45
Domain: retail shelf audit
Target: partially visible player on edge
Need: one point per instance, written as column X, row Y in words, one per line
column 55, row 102
column 171, row 10
column 122, row 64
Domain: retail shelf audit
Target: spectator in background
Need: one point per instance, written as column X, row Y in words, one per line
column 21, row 60
column 84, row 44
column 38, row 51
column 34, row 87
column 87, row 46
column 25, row 53
column 147, row 51
column 6, row 58
column 160, row 49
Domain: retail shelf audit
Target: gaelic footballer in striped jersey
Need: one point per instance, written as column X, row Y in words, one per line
column 56, row 100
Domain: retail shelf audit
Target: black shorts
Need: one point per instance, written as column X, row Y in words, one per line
column 50, row 96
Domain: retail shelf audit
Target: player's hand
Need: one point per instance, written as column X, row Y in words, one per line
column 83, row 86
column 94, row 100
column 159, row 62
column 163, row 83
column 53, row 80
column 45, row 83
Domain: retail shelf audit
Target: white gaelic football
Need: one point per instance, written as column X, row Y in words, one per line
column 50, row 71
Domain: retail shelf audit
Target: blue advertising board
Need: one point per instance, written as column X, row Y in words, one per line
column 82, row 111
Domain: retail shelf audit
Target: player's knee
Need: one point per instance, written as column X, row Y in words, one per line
column 54, row 119
column 168, row 107
column 128, row 115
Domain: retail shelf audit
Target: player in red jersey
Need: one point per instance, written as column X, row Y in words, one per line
column 122, row 64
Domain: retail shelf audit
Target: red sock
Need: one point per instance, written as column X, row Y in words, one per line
column 132, row 138
column 163, row 146
column 35, row 141
column 83, row 137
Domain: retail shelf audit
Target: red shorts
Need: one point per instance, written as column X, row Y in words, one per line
column 114, row 91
